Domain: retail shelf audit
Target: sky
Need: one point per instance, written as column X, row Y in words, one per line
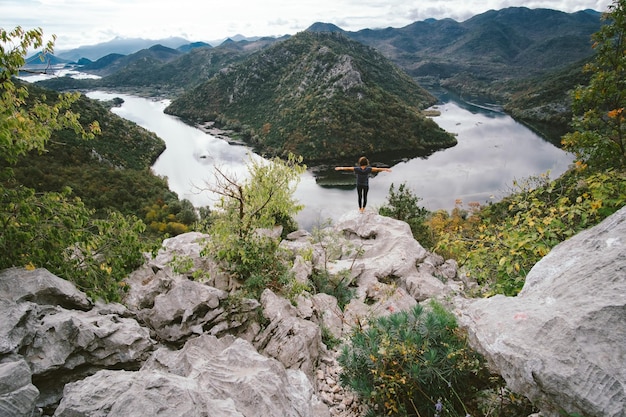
column 89, row 22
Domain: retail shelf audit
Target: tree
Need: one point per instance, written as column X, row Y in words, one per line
column 263, row 201
column 54, row 230
column 24, row 128
column 599, row 139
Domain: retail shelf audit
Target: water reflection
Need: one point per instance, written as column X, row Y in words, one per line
column 492, row 151
column 191, row 155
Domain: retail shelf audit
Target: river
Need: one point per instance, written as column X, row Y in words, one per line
column 493, row 150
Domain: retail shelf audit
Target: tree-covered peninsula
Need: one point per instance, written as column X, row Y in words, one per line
column 319, row 95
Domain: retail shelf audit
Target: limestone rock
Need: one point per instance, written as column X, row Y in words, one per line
column 184, row 310
column 178, row 260
column 17, row 393
column 389, row 250
column 328, row 313
column 231, row 367
column 207, row 377
column 562, row 340
column 65, row 339
column 41, row 287
column 177, row 307
column 15, row 326
column 136, row 394
column 59, row 343
column 191, row 308
column 288, row 338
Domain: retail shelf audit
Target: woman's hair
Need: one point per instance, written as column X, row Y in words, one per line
column 363, row 162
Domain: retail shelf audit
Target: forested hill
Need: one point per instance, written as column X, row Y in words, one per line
column 319, row 95
column 111, row 171
column 498, row 45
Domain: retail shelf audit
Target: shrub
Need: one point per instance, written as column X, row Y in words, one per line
column 404, row 363
column 498, row 244
column 247, row 210
column 336, row 285
column 57, row 232
column 333, row 248
column 403, row 205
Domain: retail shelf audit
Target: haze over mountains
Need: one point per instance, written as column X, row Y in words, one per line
column 512, row 25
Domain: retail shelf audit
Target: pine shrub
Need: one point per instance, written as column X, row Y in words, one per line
column 405, row 363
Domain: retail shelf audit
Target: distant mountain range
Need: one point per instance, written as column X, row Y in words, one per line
column 127, row 46
column 122, row 46
column 489, row 55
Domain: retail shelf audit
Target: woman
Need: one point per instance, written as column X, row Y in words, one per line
column 362, row 172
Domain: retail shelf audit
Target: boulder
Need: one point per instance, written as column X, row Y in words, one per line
column 46, row 325
column 15, row 326
column 389, row 254
column 65, row 340
column 388, row 249
column 190, row 308
column 17, row 393
column 562, row 341
column 179, row 259
column 172, row 293
column 291, row 340
column 41, row 287
column 327, row 314
column 137, row 394
column 207, row 377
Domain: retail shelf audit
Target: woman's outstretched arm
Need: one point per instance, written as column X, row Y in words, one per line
column 344, row 168
column 381, row 169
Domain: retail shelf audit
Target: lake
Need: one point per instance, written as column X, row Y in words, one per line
column 493, row 150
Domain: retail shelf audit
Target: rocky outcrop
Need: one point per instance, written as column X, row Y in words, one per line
column 207, row 377
column 184, row 345
column 60, row 344
column 294, row 341
column 562, row 341
column 18, row 395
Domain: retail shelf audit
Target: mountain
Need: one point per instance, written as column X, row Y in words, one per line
column 467, row 57
column 159, row 70
column 193, row 45
column 511, row 43
column 319, row 95
column 142, row 61
column 493, row 55
column 324, row 27
column 544, row 103
column 123, row 46
column 236, row 38
column 40, row 60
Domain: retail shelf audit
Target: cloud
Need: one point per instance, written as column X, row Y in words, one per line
column 85, row 22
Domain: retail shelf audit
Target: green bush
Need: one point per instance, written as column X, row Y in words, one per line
column 57, row 232
column 403, row 205
column 402, row 364
column 333, row 248
column 498, row 244
column 336, row 285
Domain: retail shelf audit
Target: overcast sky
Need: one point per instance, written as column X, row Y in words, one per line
column 88, row 22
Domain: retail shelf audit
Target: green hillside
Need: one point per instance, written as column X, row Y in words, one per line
column 318, row 95
column 544, row 103
column 111, row 171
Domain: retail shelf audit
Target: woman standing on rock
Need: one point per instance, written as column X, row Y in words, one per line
column 362, row 171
